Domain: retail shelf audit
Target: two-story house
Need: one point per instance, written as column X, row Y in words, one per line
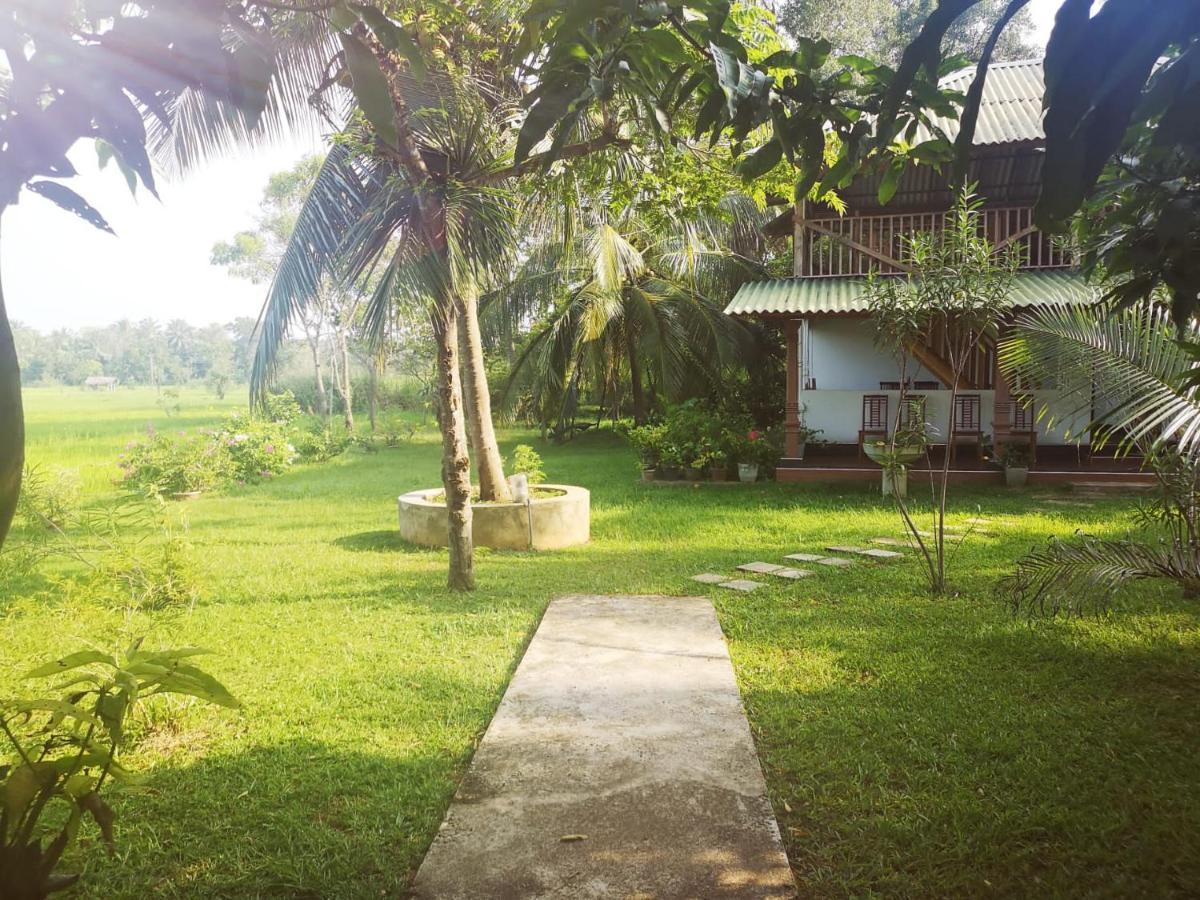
column 840, row 382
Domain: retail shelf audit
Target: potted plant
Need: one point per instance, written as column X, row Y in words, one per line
column 670, row 462
column 647, row 442
column 907, row 444
column 1015, row 459
column 718, row 467
column 805, row 434
column 758, row 453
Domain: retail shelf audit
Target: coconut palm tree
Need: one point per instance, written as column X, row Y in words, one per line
column 1140, row 371
column 625, row 303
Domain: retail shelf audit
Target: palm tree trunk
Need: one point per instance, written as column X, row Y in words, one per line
column 456, row 462
column 12, row 424
column 635, row 379
column 492, row 485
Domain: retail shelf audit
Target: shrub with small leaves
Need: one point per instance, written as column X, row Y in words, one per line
column 48, row 497
column 528, row 462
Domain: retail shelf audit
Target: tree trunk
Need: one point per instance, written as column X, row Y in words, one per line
column 341, row 378
column 468, row 396
column 635, row 379
column 314, row 344
column 12, row 424
column 373, row 391
column 456, row 463
column 347, row 386
column 492, row 486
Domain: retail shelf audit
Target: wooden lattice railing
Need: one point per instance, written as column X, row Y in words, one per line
column 859, row 245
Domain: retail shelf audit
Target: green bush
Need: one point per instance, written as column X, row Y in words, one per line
column 281, row 408
column 244, row 449
column 257, row 448
column 165, row 464
column 321, row 442
column 528, row 462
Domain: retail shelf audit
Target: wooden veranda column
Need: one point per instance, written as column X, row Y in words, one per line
column 791, row 407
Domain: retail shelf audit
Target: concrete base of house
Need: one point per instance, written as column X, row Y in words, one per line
column 544, row 523
column 1055, row 466
column 825, row 474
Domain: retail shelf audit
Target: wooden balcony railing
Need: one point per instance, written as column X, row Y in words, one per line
column 859, row 245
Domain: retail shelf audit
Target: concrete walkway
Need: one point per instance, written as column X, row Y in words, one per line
column 619, row 765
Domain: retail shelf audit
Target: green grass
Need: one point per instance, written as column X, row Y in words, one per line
column 912, row 746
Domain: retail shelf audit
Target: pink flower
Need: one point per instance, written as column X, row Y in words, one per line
column 753, row 435
column 270, row 448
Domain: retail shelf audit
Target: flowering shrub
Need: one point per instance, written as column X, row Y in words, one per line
column 257, row 448
column 175, row 464
column 242, row 450
column 757, row 447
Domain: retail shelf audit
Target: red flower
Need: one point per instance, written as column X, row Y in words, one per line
column 753, row 435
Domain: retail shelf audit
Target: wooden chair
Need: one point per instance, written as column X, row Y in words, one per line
column 1014, row 421
column 965, row 423
column 874, row 420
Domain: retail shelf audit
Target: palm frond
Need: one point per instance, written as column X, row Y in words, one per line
column 1074, row 577
column 1129, row 364
column 336, row 199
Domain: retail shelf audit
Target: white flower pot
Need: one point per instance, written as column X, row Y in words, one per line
column 901, row 482
column 747, row 472
column 1015, row 477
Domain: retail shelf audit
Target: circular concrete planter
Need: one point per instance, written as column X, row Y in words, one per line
column 545, row 523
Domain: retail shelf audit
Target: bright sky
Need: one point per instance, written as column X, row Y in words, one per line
column 60, row 272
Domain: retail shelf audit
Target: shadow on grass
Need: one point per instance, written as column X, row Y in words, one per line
column 385, row 541
column 297, row 819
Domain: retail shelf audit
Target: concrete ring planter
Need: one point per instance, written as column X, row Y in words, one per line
column 545, row 523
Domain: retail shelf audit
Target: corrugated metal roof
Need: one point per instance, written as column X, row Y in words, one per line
column 809, row 296
column 1011, row 107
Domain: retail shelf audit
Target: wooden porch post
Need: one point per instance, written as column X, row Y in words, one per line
column 791, row 407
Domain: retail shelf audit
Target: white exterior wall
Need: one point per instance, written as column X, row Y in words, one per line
column 842, row 356
column 841, row 359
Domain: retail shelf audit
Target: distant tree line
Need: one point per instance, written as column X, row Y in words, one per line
column 145, row 352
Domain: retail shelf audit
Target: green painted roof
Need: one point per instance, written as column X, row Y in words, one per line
column 1010, row 109
column 815, row 296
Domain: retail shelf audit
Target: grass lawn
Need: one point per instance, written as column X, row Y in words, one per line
column 912, row 746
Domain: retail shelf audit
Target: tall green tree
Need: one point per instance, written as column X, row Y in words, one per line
column 881, row 29
column 637, row 303
column 255, row 255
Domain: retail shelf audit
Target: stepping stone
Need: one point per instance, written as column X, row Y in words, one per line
column 592, row 781
column 861, row 551
column 709, row 578
column 834, row 561
column 762, row 568
column 805, row 557
column 844, row 548
column 741, row 584
column 791, row 573
column 890, row 542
